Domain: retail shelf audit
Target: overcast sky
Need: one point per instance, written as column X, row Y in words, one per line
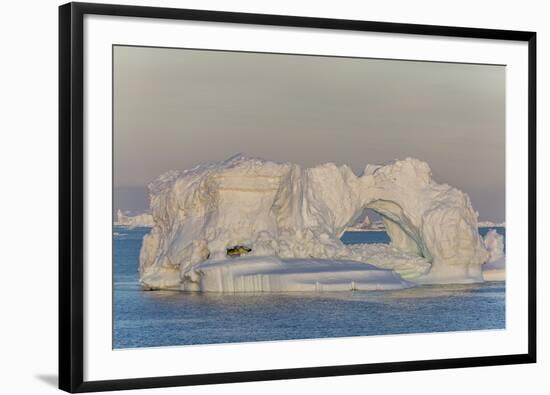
column 174, row 108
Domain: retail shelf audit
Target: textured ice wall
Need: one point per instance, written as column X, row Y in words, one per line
column 286, row 211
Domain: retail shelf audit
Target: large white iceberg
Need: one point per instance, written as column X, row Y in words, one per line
column 250, row 221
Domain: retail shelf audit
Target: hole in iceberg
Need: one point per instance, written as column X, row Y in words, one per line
column 367, row 227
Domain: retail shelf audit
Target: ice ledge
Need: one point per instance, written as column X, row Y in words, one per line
column 271, row 274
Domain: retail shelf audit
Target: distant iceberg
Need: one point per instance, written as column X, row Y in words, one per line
column 489, row 224
column 367, row 226
column 495, row 267
column 248, row 224
column 361, row 226
column 135, row 221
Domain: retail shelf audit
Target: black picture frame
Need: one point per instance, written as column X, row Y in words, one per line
column 71, row 204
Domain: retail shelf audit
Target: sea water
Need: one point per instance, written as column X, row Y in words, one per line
column 167, row 318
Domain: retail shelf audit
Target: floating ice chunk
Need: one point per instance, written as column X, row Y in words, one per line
column 495, row 268
column 494, row 243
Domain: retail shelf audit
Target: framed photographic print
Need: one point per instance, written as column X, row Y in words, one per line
column 250, row 197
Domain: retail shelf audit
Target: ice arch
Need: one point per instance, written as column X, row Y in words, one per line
column 267, row 209
column 403, row 235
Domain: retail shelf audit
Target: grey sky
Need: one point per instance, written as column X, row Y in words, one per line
column 174, row 108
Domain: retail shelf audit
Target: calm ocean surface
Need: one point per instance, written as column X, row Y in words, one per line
column 165, row 318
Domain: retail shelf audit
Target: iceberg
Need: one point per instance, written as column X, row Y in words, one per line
column 490, row 224
column 495, row 267
column 140, row 220
column 249, row 224
column 362, row 226
column 367, row 226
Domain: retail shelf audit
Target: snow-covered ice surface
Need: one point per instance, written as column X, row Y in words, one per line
column 280, row 214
